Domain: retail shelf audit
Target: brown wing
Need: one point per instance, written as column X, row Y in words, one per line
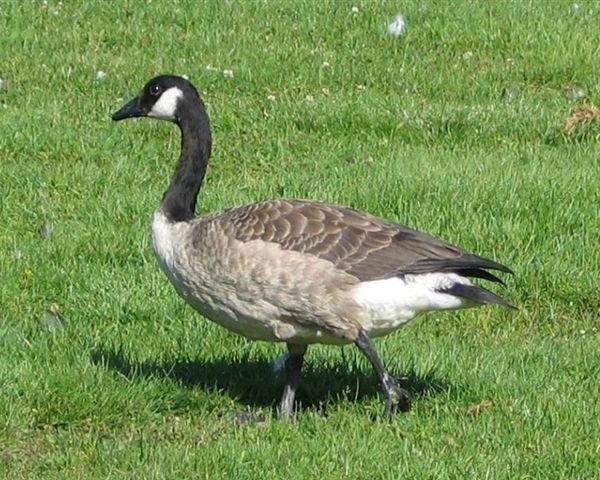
column 360, row 244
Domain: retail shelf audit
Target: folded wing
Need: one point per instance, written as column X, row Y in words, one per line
column 358, row 243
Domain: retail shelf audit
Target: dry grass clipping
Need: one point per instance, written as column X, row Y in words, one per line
column 578, row 115
column 477, row 408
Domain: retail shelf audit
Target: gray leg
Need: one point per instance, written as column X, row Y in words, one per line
column 293, row 366
column 396, row 397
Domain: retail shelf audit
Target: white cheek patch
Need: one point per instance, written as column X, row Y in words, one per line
column 166, row 106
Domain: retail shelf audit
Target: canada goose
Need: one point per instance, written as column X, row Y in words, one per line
column 297, row 271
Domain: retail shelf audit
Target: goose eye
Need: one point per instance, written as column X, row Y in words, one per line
column 154, row 90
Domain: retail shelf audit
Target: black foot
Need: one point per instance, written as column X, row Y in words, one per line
column 293, row 366
column 397, row 398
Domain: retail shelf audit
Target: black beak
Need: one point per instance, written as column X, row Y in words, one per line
column 129, row 110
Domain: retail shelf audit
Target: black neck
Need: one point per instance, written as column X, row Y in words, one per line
column 179, row 201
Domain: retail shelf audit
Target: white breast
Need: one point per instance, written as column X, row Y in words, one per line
column 166, row 236
column 389, row 303
column 210, row 288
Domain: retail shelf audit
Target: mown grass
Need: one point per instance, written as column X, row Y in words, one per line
column 105, row 373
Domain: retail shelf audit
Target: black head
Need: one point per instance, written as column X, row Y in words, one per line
column 160, row 98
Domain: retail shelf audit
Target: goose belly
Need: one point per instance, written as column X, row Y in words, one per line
column 224, row 306
column 256, row 312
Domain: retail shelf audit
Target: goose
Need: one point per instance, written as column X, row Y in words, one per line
column 297, row 271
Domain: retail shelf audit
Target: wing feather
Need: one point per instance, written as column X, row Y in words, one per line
column 358, row 243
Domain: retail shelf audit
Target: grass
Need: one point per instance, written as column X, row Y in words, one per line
column 105, row 373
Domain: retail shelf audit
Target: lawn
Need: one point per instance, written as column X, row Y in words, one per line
column 456, row 127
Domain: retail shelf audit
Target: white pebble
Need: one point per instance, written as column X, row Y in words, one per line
column 271, row 97
column 397, row 26
column 355, row 10
column 573, row 92
column 1, row 83
column 100, row 76
column 45, row 230
column 52, row 320
column 17, row 253
column 228, row 73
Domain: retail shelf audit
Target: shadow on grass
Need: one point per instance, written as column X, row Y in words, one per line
column 254, row 383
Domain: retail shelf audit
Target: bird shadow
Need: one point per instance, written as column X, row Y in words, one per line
column 253, row 381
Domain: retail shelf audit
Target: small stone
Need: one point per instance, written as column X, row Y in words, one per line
column 46, row 230
column 2, row 82
column 52, row 320
column 573, row 92
column 509, row 94
column 242, row 418
column 227, row 73
column 100, row 76
column 17, row 253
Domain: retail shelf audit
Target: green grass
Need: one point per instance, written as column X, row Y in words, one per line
column 133, row 384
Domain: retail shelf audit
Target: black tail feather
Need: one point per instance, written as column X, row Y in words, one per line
column 478, row 273
column 481, row 262
column 474, row 265
column 476, row 294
